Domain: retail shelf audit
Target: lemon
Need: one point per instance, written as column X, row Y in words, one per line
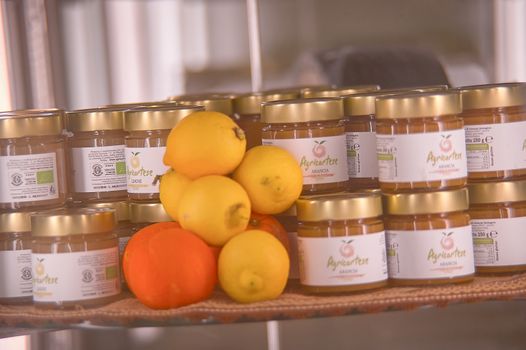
column 215, row 208
column 272, row 178
column 205, row 143
column 170, row 191
column 253, row 266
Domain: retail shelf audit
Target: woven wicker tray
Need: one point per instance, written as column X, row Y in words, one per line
column 128, row 312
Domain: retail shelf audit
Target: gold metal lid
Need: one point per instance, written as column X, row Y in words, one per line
column 216, row 103
column 31, row 111
column 122, row 209
column 251, row 103
column 347, row 206
column 337, row 91
column 15, row 222
column 72, row 221
column 493, row 95
column 363, row 103
column 148, row 213
column 497, row 192
column 32, row 123
column 156, row 118
column 131, row 105
column 426, row 202
column 95, row 119
column 418, row 105
column 302, row 110
column 424, row 88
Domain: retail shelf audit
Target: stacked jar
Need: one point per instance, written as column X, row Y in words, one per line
column 213, row 102
column 333, row 91
column 422, row 165
column 495, row 118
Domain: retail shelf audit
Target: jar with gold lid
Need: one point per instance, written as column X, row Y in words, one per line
column 96, row 154
column 422, row 88
column 498, row 218
column 495, row 123
column 32, row 160
column 323, row 91
column 420, row 142
column 289, row 220
column 147, row 131
column 75, row 258
column 312, row 131
column 429, row 237
column 16, row 284
column 247, row 112
column 341, row 243
column 143, row 214
column 213, row 102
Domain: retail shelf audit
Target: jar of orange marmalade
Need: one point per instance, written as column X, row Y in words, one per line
column 247, row 112
column 324, row 91
column 144, row 214
column 289, row 220
column 420, row 142
column 341, row 243
column 495, row 118
column 429, row 237
column 148, row 130
column 312, row 131
column 32, row 160
column 498, row 217
column 213, row 102
column 96, row 154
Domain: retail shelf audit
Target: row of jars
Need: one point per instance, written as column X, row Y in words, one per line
column 69, row 257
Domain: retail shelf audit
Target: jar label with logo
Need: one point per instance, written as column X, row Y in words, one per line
column 144, row 168
column 99, row 169
column 421, row 157
column 15, row 271
column 429, row 254
column 76, row 276
column 342, row 261
column 361, row 154
column 28, row 178
column 494, row 147
column 322, row 159
column 499, row 242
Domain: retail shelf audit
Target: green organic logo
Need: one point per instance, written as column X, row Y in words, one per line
column 45, row 177
column 120, row 168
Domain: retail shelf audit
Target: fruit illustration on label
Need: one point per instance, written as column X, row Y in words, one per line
column 445, row 143
column 135, row 161
column 319, row 149
column 346, row 249
column 39, row 267
column 447, row 241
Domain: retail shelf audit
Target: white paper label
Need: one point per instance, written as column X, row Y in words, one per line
column 322, row 160
column 494, row 147
column 99, row 169
column 76, row 276
column 294, row 271
column 422, row 157
column 27, row 178
column 15, row 269
column 499, row 242
column 144, row 168
column 338, row 261
column 429, row 254
column 361, row 154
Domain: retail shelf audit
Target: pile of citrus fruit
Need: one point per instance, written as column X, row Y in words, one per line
column 221, row 199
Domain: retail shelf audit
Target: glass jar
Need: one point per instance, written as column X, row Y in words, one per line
column 16, row 284
column 144, row 214
column 498, row 218
column 420, row 142
column 96, row 155
column 289, row 220
column 32, row 160
column 312, row 131
column 429, row 238
column 324, row 91
column 148, row 130
column 214, row 102
column 423, row 88
column 247, row 112
column 341, row 243
column 495, row 123
column 75, row 258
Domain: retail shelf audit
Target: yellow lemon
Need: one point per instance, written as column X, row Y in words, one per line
column 253, row 266
column 205, row 143
column 272, row 178
column 170, row 191
column 214, row 207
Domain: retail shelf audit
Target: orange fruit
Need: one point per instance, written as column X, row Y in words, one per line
column 269, row 224
column 169, row 267
column 205, row 143
column 170, row 191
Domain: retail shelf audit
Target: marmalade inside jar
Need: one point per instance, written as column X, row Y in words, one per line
column 251, row 125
